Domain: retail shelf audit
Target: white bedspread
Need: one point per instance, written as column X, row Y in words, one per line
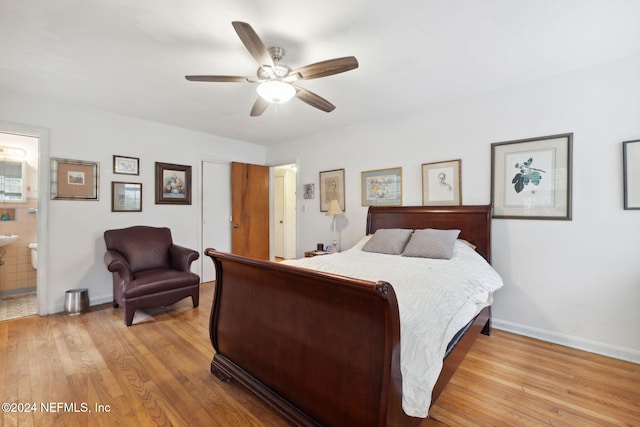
column 436, row 298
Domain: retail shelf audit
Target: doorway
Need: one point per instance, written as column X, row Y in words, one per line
column 216, row 211
column 19, row 183
column 283, row 220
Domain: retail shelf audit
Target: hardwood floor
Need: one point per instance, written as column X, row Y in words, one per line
column 508, row 379
column 156, row 372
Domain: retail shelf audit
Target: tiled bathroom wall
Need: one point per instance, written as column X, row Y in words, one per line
column 17, row 275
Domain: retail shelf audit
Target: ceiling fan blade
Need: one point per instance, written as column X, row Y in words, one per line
column 253, row 43
column 314, row 100
column 324, row 68
column 258, row 107
column 216, row 78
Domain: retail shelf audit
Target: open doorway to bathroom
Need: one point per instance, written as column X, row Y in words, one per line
column 18, row 225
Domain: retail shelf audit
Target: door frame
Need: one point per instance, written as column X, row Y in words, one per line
column 289, row 173
column 279, row 219
column 42, row 289
column 272, row 207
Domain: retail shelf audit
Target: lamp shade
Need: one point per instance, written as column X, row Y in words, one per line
column 276, row 91
column 334, row 208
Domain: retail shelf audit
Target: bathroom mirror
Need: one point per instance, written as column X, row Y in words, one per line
column 12, row 181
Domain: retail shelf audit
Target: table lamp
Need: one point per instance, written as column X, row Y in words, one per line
column 334, row 209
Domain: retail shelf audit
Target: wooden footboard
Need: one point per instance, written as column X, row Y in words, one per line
column 320, row 349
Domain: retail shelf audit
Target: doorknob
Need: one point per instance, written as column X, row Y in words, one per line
column 236, row 226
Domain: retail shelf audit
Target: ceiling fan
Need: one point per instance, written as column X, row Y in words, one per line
column 275, row 80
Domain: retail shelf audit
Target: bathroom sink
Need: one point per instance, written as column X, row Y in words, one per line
column 5, row 240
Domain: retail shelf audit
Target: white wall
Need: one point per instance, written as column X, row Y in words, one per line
column 572, row 282
column 75, row 228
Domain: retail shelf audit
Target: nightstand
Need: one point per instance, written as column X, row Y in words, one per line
column 316, row 253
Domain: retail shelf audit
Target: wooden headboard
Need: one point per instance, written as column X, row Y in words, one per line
column 474, row 222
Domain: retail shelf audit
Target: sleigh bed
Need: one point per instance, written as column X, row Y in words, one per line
column 324, row 349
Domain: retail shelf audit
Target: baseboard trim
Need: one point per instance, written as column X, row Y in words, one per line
column 59, row 308
column 17, row 292
column 596, row 347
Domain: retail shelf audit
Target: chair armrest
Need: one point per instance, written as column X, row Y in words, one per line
column 181, row 257
column 115, row 262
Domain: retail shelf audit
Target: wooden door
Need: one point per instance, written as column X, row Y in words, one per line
column 250, row 210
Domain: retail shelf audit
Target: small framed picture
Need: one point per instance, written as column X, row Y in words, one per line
column 382, row 187
column 126, row 197
column 441, row 183
column 531, row 178
column 332, row 188
column 74, row 179
column 631, row 159
column 309, row 191
column 126, row 165
column 173, row 184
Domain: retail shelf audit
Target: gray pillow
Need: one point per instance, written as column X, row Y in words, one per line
column 431, row 243
column 388, row 241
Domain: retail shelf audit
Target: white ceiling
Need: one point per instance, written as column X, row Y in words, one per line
column 131, row 56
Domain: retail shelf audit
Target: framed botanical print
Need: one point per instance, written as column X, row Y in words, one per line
column 531, row 178
column 173, row 184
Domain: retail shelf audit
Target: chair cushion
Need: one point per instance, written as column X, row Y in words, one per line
column 159, row 280
column 143, row 247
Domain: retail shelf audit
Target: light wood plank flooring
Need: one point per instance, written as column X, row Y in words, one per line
column 156, row 372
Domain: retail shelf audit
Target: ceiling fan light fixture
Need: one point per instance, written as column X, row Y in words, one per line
column 275, row 79
column 276, row 91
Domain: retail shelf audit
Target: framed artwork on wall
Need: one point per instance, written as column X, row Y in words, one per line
column 332, row 188
column 531, row 178
column 309, row 191
column 382, row 187
column 441, row 183
column 173, row 184
column 74, row 179
column 126, row 165
column 631, row 167
column 126, row 197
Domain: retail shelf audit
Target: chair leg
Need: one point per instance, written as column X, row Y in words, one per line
column 128, row 315
column 195, row 297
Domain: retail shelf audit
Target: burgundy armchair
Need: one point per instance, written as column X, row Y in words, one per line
column 148, row 269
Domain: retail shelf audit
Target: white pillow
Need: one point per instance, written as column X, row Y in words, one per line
column 431, row 243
